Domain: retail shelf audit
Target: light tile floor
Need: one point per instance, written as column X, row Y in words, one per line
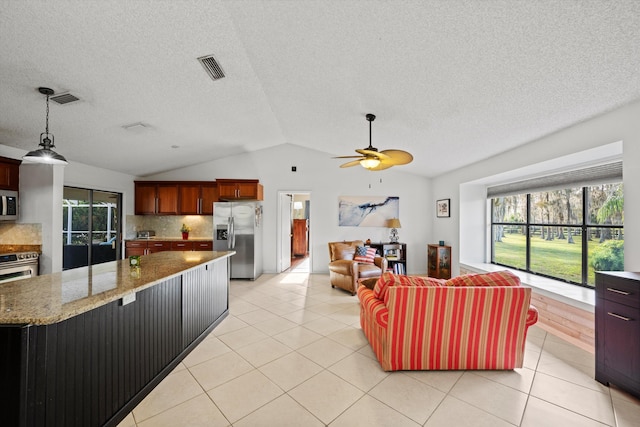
column 291, row 353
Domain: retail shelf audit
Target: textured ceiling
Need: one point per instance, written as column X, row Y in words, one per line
column 453, row 82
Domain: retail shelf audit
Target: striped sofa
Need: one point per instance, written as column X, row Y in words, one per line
column 475, row 321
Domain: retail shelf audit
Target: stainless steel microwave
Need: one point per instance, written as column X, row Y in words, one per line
column 8, row 205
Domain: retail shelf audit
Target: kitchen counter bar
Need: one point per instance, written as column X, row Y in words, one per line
column 51, row 298
column 85, row 346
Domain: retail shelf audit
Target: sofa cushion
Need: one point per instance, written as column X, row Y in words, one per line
column 496, row 278
column 365, row 255
column 388, row 280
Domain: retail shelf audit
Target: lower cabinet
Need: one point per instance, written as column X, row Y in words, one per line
column 618, row 330
column 144, row 247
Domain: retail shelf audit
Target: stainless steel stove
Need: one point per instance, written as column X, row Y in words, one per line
column 18, row 266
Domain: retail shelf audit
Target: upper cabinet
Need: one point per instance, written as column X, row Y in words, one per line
column 9, row 174
column 191, row 197
column 153, row 198
column 175, row 197
column 197, row 198
column 240, row 189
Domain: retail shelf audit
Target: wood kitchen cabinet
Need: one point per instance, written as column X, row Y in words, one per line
column 145, row 247
column 243, row 189
column 300, row 236
column 152, row 198
column 9, row 174
column 617, row 316
column 197, row 198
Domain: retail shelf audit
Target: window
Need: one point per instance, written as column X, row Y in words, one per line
column 566, row 233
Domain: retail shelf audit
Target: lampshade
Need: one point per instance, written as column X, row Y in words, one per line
column 45, row 154
column 369, row 163
column 297, row 205
column 393, row 223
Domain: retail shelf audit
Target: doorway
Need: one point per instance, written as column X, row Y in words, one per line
column 91, row 229
column 294, row 236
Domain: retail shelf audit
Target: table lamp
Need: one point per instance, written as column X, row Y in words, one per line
column 393, row 224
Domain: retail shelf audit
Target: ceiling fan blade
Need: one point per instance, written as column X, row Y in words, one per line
column 397, row 157
column 348, row 157
column 371, row 153
column 349, row 164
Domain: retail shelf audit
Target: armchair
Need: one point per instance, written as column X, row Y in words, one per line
column 344, row 271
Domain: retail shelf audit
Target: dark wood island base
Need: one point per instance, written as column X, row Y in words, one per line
column 95, row 348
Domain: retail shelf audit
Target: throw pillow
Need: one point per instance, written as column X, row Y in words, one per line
column 496, row 278
column 365, row 255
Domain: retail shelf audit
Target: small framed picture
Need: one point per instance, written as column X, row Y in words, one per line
column 442, row 208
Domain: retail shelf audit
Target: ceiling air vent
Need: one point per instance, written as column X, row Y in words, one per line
column 212, row 67
column 64, row 98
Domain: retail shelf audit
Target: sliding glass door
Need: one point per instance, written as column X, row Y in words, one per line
column 91, row 227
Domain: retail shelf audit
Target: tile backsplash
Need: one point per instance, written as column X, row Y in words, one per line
column 169, row 225
column 20, row 237
column 21, row 234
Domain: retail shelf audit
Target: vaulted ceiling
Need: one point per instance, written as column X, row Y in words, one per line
column 452, row 82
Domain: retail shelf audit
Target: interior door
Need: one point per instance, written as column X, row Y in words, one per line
column 286, row 204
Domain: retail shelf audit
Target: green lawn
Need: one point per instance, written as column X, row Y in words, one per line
column 555, row 258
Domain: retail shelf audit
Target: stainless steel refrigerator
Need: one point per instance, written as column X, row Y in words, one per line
column 237, row 226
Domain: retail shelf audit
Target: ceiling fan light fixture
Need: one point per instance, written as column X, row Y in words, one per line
column 372, row 159
column 370, row 163
column 45, row 154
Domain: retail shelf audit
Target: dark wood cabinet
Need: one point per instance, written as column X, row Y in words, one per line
column 145, row 247
column 396, row 255
column 300, row 237
column 197, row 198
column 240, row 189
column 203, row 246
column 135, row 247
column 618, row 330
column 152, row 198
column 9, row 174
column 439, row 261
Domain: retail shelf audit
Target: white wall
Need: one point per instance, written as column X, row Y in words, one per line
column 41, row 203
column 84, row 176
column 321, row 176
column 598, row 135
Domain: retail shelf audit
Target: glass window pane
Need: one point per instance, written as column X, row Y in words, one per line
column 557, row 207
column 510, row 246
column 606, row 204
column 557, row 252
column 510, row 208
column 605, row 251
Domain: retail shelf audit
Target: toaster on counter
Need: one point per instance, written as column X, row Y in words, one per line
column 145, row 234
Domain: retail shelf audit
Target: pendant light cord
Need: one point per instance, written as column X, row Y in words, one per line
column 46, row 127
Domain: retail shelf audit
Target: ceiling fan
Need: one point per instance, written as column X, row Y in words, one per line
column 374, row 160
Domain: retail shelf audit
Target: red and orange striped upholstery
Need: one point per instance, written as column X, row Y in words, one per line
column 418, row 323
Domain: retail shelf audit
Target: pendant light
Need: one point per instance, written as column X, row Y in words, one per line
column 45, row 154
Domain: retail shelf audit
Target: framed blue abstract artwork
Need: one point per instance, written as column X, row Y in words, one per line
column 367, row 211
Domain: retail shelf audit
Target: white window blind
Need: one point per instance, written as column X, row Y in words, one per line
column 601, row 174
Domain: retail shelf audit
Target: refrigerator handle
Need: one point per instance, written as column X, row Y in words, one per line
column 232, row 235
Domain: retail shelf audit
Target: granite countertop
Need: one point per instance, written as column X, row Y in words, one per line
column 51, row 298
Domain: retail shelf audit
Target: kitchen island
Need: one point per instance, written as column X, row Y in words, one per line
column 85, row 346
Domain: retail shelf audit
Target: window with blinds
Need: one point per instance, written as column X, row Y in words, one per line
column 565, row 226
